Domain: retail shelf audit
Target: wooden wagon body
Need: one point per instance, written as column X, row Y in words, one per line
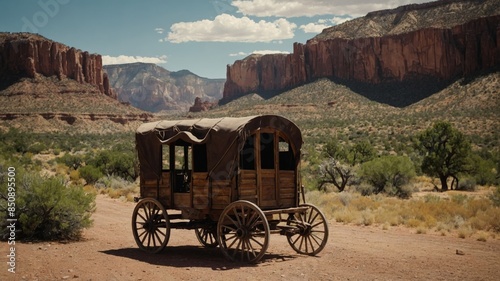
column 233, row 180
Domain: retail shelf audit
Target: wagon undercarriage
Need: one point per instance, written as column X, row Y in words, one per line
column 242, row 231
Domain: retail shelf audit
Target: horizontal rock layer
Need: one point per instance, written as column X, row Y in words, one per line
column 442, row 54
column 28, row 55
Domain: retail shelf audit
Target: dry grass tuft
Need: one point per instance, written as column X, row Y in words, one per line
column 464, row 214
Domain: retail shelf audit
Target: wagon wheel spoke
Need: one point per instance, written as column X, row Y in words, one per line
column 243, row 232
column 207, row 236
column 311, row 231
column 148, row 220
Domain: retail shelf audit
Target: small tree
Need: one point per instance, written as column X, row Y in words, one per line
column 338, row 167
column 446, row 152
column 336, row 173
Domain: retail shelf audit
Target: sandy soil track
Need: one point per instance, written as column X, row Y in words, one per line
column 109, row 252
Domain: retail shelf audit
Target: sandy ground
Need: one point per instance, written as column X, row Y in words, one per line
column 109, row 252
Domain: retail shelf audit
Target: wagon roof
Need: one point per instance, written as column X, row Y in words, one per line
column 224, row 138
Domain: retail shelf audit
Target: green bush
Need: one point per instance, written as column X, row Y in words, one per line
column 467, row 185
column 484, row 170
column 37, row 148
column 47, row 209
column 90, row 174
column 389, row 174
column 119, row 162
column 495, row 196
column 70, row 160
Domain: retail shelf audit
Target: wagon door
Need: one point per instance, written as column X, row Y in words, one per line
column 267, row 169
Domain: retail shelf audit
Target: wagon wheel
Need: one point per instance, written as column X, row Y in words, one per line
column 243, row 232
column 311, row 231
column 207, row 236
column 150, row 225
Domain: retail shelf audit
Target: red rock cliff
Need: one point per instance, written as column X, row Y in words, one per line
column 26, row 55
column 441, row 53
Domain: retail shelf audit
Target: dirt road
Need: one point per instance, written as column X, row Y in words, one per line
column 109, row 252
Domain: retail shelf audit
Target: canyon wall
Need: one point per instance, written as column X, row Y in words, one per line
column 442, row 54
column 28, row 55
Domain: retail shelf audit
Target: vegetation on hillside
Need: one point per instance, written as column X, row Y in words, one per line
column 366, row 150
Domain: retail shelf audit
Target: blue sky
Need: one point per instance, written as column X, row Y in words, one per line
column 203, row 36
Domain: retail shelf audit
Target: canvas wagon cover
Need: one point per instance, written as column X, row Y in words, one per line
column 224, row 138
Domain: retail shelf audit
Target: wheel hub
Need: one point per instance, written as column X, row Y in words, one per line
column 149, row 226
column 241, row 232
column 305, row 230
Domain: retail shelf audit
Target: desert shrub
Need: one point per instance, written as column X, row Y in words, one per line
column 365, row 189
column 484, row 171
column 90, row 174
column 430, row 198
column 47, row 209
column 345, row 198
column 26, row 159
column 70, row 160
column 118, row 161
column 460, row 199
column 116, row 187
column 389, row 173
column 495, row 196
column 36, row 148
column 74, row 175
column 467, row 185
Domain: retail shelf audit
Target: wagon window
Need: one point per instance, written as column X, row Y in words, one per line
column 267, row 151
column 200, row 158
column 165, row 157
column 183, row 154
column 247, row 154
column 286, row 158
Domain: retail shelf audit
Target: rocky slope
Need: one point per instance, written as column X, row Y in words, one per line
column 48, row 86
column 394, row 56
column 28, row 55
column 153, row 88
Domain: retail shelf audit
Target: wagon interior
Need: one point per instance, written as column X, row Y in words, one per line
column 232, row 180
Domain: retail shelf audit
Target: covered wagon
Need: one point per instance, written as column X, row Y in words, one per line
column 232, row 180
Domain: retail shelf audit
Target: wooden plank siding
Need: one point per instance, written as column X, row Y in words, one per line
column 268, row 188
column 200, row 191
column 247, row 185
column 221, row 193
column 287, row 189
column 149, row 189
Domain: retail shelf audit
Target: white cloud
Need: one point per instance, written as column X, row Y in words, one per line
column 322, row 24
column 266, row 52
column 309, row 8
column 227, row 28
column 313, row 27
column 107, row 60
column 238, row 54
column 258, row 52
column 339, row 20
column 159, row 30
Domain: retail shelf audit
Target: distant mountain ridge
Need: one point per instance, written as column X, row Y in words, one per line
column 397, row 57
column 152, row 88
